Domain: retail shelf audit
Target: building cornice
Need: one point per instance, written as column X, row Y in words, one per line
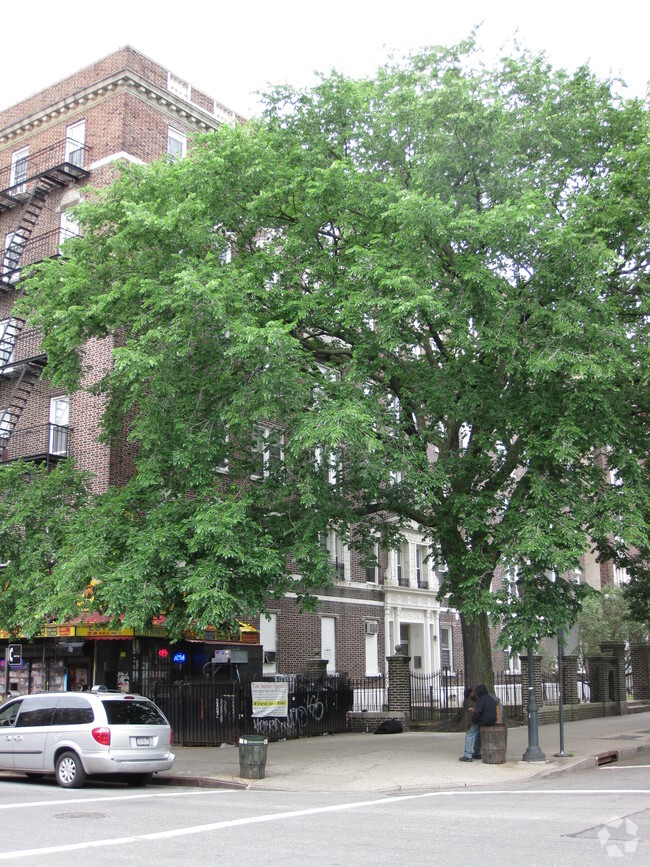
column 187, row 113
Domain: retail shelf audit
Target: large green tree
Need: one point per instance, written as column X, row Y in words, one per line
column 434, row 281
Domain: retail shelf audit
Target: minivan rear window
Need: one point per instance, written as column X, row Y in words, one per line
column 132, row 712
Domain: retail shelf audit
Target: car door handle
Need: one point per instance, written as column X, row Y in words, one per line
column 18, row 737
column 8, row 737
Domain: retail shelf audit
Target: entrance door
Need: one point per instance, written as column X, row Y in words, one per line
column 328, row 642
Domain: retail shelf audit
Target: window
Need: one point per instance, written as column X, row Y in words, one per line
column 268, row 640
column 401, row 566
column 334, row 545
column 68, row 227
column 59, row 415
column 328, row 463
column 176, row 143
column 36, row 712
column 372, row 652
column 422, row 566
column 7, row 341
column 5, row 427
column 73, row 711
column 268, row 454
column 75, row 143
column 372, row 572
column 328, row 642
column 446, row 654
column 405, row 637
column 132, row 712
column 19, row 164
column 11, row 260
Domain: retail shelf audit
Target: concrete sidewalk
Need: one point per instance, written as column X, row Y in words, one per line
column 411, row 761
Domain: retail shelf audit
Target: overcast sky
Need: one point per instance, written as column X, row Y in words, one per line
column 232, row 49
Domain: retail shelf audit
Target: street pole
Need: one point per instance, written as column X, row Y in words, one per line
column 533, row 752
column 560, row 674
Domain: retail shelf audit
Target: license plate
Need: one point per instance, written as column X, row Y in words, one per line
column 142, row 742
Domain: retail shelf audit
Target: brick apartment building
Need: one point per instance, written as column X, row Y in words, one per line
column 73, row 133
column 127, row 107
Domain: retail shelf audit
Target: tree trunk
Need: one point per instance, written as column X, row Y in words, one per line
column 477, row 651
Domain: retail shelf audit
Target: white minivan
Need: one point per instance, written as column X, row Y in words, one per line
column 76, row 735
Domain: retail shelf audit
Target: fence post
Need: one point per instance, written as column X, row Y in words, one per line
column 640, row 654
column 399, row 686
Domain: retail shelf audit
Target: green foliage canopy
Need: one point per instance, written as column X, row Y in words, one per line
column 435, row 281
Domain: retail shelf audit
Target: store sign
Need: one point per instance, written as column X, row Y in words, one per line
column 270, row 699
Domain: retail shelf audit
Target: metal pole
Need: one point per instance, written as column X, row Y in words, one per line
column 533, row 752
column 560, row 674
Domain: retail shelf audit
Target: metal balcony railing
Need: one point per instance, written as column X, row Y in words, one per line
column 36, row 250
column 45, row 442
column 61, row 162
column 26, row 347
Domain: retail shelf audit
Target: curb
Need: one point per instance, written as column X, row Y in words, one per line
column 198, row 782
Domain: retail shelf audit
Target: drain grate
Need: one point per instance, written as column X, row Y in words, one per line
column 606, row 758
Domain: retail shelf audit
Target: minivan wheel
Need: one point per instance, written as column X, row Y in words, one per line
column 69, row 771
column 139, row 779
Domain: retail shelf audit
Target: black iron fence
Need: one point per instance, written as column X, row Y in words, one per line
column 439, row 696
column 205, row 713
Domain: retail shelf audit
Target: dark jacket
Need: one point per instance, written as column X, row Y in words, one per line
column 485, row 709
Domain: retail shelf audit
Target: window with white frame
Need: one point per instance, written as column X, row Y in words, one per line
column 372, row 649
column 68, row 227
column 5, row 427
column 7, row 341
column 19, row 166
column 11, row 259
column 446, row 647
column 327, row 462
column 224, row 465
column 372, row 571
column 422, row 566
column 59, row 418
column 268, row 640
column 334, row 544
column 402, row 565
column 268, row 452
column 75, row 143
column 176, row 143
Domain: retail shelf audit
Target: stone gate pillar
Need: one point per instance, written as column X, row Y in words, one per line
column 399, row 685
column 640, row 654
column 617, row 650
column 537, row 680
column 570, row 678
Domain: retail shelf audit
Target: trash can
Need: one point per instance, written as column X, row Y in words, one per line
column 252, row 757
column 494, row 742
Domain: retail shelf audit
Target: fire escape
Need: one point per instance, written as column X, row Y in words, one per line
column 26, row 185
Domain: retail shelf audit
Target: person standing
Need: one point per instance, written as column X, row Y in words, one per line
column 483, row 713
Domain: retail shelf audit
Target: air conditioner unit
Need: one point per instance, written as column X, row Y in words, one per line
column 372, row 627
